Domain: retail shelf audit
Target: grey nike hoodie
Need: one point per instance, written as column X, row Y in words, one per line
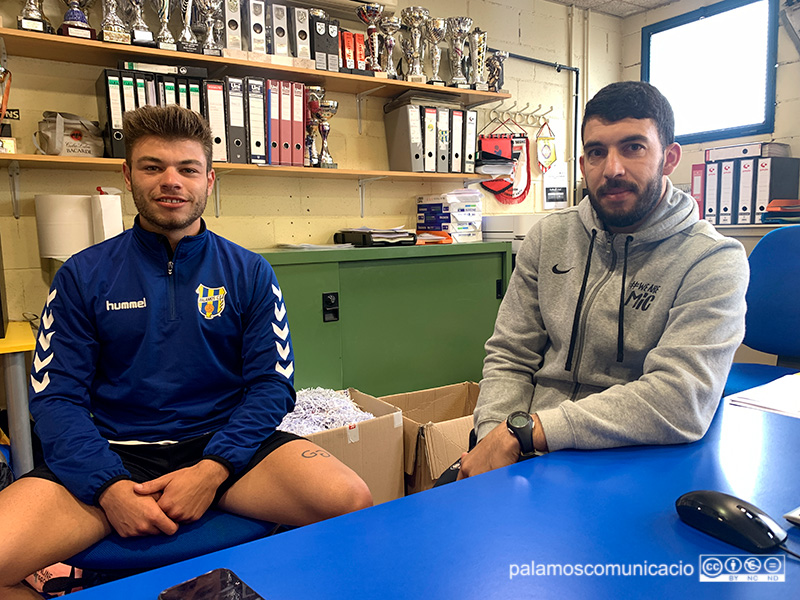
column 617, row 339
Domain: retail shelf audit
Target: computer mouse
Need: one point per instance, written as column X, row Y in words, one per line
column 731, row 520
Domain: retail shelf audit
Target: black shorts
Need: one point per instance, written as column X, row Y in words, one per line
column 149, row 461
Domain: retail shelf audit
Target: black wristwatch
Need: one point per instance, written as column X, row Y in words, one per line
column 521, row 425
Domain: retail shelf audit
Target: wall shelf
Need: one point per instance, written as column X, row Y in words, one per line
column 36, row 161
column 104, row 54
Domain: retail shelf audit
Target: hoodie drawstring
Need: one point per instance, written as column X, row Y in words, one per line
column 620, row 324
column 573, row 338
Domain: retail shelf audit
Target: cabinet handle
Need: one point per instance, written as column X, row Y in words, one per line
column 499, row 289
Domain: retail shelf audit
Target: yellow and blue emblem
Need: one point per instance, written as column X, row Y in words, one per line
column 210, row 301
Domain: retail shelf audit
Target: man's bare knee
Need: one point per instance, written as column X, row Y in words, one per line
column 351, row 495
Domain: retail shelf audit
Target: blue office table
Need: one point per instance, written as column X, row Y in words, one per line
column 571, row 508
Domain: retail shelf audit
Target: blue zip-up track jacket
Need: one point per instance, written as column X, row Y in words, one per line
column 135, row 345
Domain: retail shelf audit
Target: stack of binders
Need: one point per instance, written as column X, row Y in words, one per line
column 136, row 84
column 253, row 120
column 427, row 133
column 736, row 183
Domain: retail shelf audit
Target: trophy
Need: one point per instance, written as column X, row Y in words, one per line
column 314, row 95
column 495, row 66
column 457, row 31
column 164, row 37
column 209, row 9
column 414, row 18
column 389, row 26
column 187, row 41
column 140, row 32
column 435, row 30
column 325, row 110
column 32, row 17
column 76, row 23
column 113, row 29
column 477, row 60
column 369, row 14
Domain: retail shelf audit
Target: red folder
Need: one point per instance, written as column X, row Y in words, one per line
column 298, row 123
column 285, row 124
column 699, row 187
column 273, row 127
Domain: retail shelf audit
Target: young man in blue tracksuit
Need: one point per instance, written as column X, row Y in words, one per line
column 163, row 366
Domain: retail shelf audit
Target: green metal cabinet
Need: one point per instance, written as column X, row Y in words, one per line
column 408, row 318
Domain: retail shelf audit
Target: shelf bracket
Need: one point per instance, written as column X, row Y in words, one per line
column 361, row 183
column 359, row 98
column 468, row 182
column 13, row 174
column 3, row 54
column 217, row 195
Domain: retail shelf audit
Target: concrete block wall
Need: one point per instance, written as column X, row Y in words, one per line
column 260, row 212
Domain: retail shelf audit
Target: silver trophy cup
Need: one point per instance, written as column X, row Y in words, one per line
column 32, row 17
column 164, row 37
column 369, row 15
column 326, row 110
column 477, row 60
column 187, row 40
column 209, row 9
column 435, row 31
column 315, row 95
column 389, row 26
column 457, row 31
column 414, row 18
column 113, row 28
column 140, row 32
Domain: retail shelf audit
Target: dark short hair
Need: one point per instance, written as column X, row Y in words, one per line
column 632, row 99
column 170, row 122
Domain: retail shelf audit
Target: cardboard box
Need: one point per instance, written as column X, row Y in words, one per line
column 373, row 448
column 436, row 426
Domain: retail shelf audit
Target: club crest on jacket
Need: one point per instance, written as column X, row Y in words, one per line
column 210, row 301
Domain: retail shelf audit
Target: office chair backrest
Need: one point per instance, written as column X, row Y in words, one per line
column 773, row 296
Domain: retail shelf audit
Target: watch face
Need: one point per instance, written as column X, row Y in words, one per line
column 518, row 420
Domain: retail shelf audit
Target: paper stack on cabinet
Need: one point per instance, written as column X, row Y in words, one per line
column 456, row 213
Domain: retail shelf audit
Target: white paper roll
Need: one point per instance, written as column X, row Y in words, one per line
column 106, row 216
column 68, row 224
column 64, row 224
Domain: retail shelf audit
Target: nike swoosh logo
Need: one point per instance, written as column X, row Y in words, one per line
column 558, row 271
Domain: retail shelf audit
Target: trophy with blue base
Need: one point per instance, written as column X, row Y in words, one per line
column 76, row 23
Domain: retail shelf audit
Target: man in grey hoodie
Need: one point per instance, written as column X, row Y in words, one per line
column 623, row 313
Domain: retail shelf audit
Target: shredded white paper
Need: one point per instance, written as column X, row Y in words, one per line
column 318, row 409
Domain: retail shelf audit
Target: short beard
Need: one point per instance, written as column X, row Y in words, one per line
column 646, row 200
column 147, row 213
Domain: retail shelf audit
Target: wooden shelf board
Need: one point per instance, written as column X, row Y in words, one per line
column 35, row 161
column 92, row 52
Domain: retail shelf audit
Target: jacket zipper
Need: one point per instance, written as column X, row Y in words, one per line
column 173, row 313
column 586, row 307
